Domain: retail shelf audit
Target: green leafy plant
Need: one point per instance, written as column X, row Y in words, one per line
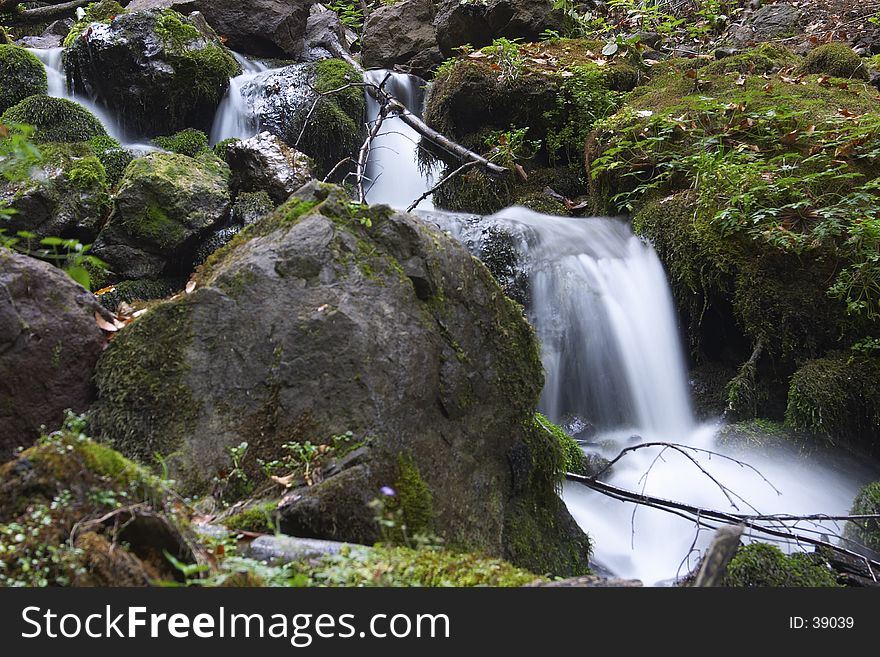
column 510, row 147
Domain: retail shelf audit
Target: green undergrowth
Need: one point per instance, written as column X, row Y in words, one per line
column 763, row 565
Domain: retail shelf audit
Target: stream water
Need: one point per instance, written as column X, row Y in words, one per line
column 615, row 371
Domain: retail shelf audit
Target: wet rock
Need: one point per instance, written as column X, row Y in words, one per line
column 265, row 163
column 164, row 204
column 49, row 344
column 250, row 207
column 478, row 23
column 52, row 36
column 284, row 549
column 308, row 327
column 158, row 71
column 325, row 33
column 402, row 34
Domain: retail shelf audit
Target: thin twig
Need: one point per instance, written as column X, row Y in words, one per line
column 464, row 167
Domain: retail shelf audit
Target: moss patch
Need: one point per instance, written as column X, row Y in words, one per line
column 836, row 60
column 866, row 532
column 188, row 142
column 55, row 119
column 762, row 565
column 21, row 75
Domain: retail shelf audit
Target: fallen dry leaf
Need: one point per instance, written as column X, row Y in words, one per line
column 104, row 325
column 190, row 287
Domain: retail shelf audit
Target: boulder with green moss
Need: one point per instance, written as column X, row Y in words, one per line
column 74, row 512
column 164, row 204
column 836, row 60
column 763, row 565
column 325, row 318
column 837, row 397
column 189, row 142
column 266, row 164
column 21, row 75
column 49, row 344
column 66, row 194
column 282, row 100
column 158, row 71
column 55, row 119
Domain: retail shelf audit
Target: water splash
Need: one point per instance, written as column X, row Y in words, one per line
column 235, row 117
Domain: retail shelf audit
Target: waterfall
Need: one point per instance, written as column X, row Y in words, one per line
column 615, row 376
column 393, row 170
column 53, row 62
column 235, row 117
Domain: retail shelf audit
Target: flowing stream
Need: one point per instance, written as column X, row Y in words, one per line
column 615, row 371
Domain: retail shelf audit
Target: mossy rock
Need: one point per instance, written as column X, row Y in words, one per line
column 67, row 194
column 113, row 156
column 50, row 496
column 188, row 142
column 21, row 75
column 865, row 532
column 143, row 290
column 157, row 70
column 837, row 60
column 763, row 565
column 251, row 206
column 103, row 11
column 765, row 58
column 837, row 397
column 317, row 272
column 55, row 119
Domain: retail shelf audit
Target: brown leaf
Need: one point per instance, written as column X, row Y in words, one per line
column 691, row 73
column 104, row 325
column 105, row 290
column 790, row 137
column 842, row 85
column 286, row 481
column 521, row 172
column 823, row 80
column 767, row 88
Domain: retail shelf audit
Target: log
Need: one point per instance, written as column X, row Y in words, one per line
column 47, row 13
column 722, row 549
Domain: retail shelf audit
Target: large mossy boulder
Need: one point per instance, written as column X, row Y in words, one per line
column 49, row 344
column 55, row 119
column 157, row 70
column 282, row 101
column 21, row 75
column 164, row 204
column 763, row 565
column 76, row 513
column 326, row 318
column 66, row 194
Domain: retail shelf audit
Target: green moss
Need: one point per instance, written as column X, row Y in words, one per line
column 836, row 60
column 762, row 565
column 251, row 206
column 837, row 397
column 114, row 158
column 542, row 203
column 414, row 498
column 55, row 119
column 221, row 147
column 189, row 142
column 402, row 566
column 765, row 58
column 174, row 32
column 572, row 454
column 142, row 376
column 865, row 532
column 103, row 11
column 258, row 518
column 21, row 75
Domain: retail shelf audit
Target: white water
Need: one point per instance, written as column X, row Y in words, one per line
column 235, row 117
column 604, row 317
column 393, row 168
column 52, row 61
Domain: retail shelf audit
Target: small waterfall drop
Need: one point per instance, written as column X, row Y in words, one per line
column 53, row 62
column 393, row 170
column 615, row 376
column 235, row 117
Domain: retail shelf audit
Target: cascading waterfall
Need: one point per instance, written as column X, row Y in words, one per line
column 53, row 62
column 394, row 174
column 235, row 116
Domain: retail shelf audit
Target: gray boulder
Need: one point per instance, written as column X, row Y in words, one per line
column 327, row 317
column 769, row 22
column 478, row 23
column 265, row 163
column 402, row 34
column 326, row 35
column 158, row 71
column 164, row 204
column 49, row 344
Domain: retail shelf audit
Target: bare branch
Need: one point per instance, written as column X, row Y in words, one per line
column 464, row 167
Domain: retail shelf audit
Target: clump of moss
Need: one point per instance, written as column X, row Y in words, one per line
column 257, row 518
column 763, row 565
column 55, row 119
column 540, row 202
column 251, row 206
column 837, row 397
column 189, row 142
column 103, row 11
column 836, row 60
column 221, row 147
column 21, row 75
column 572, row 454
column 414, row 498
column 765, row 58
column 866, row 532
column 403, row 566
column 113, row 156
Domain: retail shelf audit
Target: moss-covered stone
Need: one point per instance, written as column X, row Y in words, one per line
column 762, row 565
column 21, row 75
column 188, row 142
column 866, row 532
column 251, row 206
column 572, row 454
column 258, row 518
column 113, row 156
column 837, row 397
column 103, row 11
column 55, row 119
column 836, row 60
